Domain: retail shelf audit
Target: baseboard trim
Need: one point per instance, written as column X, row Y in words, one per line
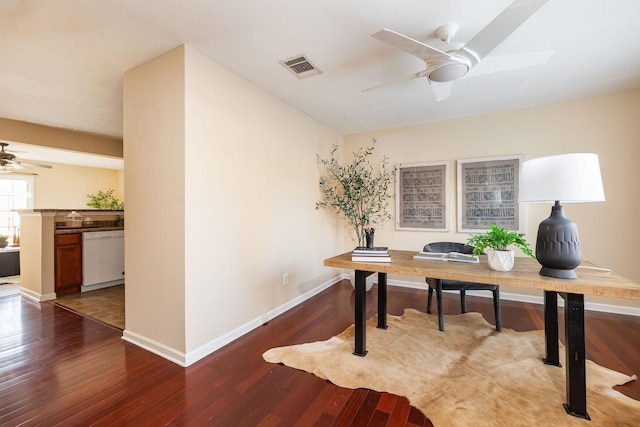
column 36, row 296
column 187, row 359
column 155, row 347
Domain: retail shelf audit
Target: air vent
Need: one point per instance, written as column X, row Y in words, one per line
column 300, row 66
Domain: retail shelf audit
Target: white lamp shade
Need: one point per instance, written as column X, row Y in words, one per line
column 570, row 178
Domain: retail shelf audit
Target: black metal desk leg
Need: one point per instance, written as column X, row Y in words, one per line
column 552, row 356
column 575, row 358
column 360, row 312
column 382, row 300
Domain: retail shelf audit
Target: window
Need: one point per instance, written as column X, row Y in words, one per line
column 16, row 192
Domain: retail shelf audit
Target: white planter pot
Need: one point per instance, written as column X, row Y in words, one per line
column 500, row 260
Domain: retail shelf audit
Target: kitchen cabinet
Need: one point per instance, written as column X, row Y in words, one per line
column 68, row 263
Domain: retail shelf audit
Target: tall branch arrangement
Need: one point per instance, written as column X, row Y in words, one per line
column 358, row 191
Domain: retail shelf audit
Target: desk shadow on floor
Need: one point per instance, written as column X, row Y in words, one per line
column 104, row 305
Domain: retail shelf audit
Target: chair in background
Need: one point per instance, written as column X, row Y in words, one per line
column 439, row 285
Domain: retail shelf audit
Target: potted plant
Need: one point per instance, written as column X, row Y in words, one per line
column 495, row 243
column 106, row 200
column 4, row 240
column 358, row 191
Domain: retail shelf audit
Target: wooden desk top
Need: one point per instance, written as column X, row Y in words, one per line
column 524, row 274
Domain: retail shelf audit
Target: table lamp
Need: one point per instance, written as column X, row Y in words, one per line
column 567, row 178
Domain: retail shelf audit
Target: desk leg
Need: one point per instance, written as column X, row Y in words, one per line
column 552, row 355
column 575, row 356
column 360, row 310
column 382, row 301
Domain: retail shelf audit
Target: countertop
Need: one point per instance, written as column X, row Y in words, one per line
column 72, row 230
column 108, row 211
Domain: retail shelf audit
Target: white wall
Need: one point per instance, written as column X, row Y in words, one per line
column 227, row 174
column 608, row 126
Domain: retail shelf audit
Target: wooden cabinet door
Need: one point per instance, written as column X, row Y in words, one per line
column 68, row 263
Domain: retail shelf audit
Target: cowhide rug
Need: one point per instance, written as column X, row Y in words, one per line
column 470, row 375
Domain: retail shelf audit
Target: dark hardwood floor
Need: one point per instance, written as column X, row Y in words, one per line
column 58, row 368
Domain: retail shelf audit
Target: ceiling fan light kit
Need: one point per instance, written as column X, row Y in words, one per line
column 446, row 67
column 450, row 71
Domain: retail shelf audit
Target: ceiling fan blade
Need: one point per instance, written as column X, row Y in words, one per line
column 37, row 165
column 403, row 79
column 501, row 27
column 441, row 91
column 496, row 64
column 407, row 44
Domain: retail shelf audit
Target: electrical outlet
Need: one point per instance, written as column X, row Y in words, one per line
column 285, row 279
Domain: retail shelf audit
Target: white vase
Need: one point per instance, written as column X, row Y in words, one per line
column 500, row 260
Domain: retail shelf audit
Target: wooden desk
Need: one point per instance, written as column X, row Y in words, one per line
column 590, row 281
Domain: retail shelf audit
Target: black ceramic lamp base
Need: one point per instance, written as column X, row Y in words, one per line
column 557, row 246
column 558, row 273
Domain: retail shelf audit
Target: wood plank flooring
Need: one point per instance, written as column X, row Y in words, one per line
column 59, row 368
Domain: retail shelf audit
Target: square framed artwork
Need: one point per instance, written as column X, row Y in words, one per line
column 488, row 192
column 422, row 191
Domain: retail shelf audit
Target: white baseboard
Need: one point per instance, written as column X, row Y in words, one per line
column 36, row 296
column 95, row 287
column 186, row 359
column 156, row 347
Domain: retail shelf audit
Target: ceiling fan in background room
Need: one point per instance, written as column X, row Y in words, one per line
column 9, row 163
column 467, row 60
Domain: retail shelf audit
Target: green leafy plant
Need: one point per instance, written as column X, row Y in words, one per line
column 105, row 200
column 4, row 237
column 359, row 191
column 499, row 239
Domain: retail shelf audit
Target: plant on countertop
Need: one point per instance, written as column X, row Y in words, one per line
column 499, row 239
column 358, row 191
column 105, row 200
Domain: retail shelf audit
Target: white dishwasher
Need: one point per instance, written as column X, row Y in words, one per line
column 102, row 259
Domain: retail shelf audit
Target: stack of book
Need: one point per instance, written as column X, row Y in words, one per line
column 375, row 254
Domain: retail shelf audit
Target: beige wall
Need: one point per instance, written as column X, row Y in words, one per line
column 230, row 174
column 32, row 133
column 608, row 126
column 154, row 141
column 67, row 186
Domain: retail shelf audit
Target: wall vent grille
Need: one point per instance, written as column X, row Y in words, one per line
column 300, row 66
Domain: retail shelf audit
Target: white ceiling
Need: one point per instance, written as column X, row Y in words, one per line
column 62, row 61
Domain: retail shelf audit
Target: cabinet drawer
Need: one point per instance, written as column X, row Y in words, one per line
column 69, row 239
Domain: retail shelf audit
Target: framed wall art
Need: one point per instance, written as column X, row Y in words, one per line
column 488, row 192
column 421, row 196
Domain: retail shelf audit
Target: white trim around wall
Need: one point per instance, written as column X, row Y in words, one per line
column 186, row 359
column 35, row 296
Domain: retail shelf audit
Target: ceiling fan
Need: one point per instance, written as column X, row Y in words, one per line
column 8, row 161
column 443, row 68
